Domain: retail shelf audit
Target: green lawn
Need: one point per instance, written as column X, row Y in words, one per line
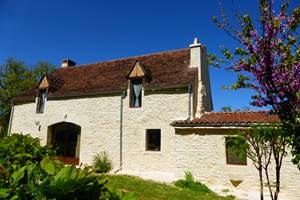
column 152, row 190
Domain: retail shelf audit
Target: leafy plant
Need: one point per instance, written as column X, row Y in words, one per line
column 18, row 150
column 189, row 183
column 27, row 172
column 102, row 164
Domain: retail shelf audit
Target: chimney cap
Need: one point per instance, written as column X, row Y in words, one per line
column 196, row 43
column 67, row 63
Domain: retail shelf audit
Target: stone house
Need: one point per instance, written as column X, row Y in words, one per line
column 152, row 114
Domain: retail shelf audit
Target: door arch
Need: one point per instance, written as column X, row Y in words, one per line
column 65, row 138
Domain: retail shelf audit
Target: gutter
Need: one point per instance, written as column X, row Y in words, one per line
column 10, row 120
column 190, row 102
column 123, row 95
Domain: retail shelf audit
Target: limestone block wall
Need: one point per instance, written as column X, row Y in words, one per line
column 202, row 151
column 99, row 119
column 158, row 110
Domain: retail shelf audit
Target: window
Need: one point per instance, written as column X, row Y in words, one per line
column 41, row 101
column 153, row 140
column 136, row 93
column 234, row 155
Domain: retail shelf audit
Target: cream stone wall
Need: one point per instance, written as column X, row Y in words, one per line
column 99, row 119
column 202, row 151
column 158, row 110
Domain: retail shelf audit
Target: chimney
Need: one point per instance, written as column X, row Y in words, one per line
column 67, row 63
column 198, row 59
column 195, row 52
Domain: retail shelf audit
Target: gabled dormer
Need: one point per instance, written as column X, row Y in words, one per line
column 137, row 77
column 46, row 85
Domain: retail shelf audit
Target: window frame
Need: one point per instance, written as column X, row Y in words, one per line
column 39, row 103
column 148, row 132
column 132, row 94
column 238, row 161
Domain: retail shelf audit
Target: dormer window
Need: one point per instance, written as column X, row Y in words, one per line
column 137, row 76
column 41, row 100
column 136, row 93
column 47, row 85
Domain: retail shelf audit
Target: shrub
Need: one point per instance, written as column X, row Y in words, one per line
column 27, row 172
column 189, row 183
column 17, row 150
column 101, row 163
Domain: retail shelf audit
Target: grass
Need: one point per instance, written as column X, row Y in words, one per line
column 151, row 190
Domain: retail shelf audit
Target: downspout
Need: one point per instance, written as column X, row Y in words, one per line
column 123, row 95
column 190, row 102
column 10, row 120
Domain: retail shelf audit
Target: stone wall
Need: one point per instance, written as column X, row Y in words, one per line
column 202, row 151
column 99, row 119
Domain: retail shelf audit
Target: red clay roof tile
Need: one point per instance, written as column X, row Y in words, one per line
column 217, row 119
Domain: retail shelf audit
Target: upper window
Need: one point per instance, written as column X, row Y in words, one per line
column 153, row 137
column 136, row 93
column 41, row 101
column 234, row 156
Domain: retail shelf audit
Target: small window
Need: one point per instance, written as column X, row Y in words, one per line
column 41, row 101
column 153, row 140
column 234, row 155
column 136, row 93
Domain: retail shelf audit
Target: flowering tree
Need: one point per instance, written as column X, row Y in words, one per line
column 268, row 62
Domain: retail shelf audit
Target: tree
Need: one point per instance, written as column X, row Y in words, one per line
column 41, row 68
column 226, row 109
column 16, row 78
column 261, row 144
column 268, row 61
column 229, row 109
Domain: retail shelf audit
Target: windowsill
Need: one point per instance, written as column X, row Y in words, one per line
column 242, row 165
column 153, row 153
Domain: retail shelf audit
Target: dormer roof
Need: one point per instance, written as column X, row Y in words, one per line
column 50, row 82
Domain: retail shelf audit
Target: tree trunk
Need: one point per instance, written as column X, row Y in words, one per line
column 261, row 183
column 277, row 183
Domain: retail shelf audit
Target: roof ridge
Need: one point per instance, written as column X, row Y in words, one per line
column 126, row 58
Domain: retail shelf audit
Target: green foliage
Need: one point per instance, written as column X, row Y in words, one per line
column 28, row 172
column 191, row 184
column 102, row 164
column 148, row 189
column 15, row 79
column 18, row 150
column 226, row 109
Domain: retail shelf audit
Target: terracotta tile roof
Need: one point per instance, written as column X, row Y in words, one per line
column 167, row 69
column 218, row 119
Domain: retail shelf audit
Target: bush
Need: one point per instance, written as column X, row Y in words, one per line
column 191, row 184
column 18, row 150
column 27, row 172
column 101, row 163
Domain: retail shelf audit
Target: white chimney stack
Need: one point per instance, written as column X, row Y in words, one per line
column 195, row 50
column 198, row 59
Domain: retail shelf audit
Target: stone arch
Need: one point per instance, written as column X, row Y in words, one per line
column 65, row 138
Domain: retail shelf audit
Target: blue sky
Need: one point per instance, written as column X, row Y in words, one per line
column 89, row 31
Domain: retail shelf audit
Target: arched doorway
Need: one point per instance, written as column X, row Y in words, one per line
column 65, row 138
